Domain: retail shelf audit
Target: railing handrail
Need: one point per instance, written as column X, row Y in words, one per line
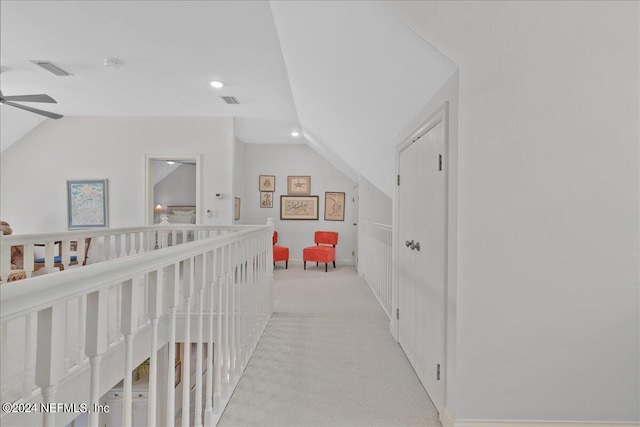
column 20, row 239
column 379, row 225
column 35, row 294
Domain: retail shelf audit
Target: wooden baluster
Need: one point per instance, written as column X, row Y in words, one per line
column 187, row 290
column 50, row 352
column 128, row 327
column 49, row 254
column 96, row 344
column 155, row 312
column 227, row 353
column 118, row 245
column 199, row 277
column 81, row 323
column 219, row 366
column 137, row 237
column 127, row 244
column 27, row 389
column 65, row 253
column 28, row 259
column 171, row 276
column 234, row 317
column 208, row 411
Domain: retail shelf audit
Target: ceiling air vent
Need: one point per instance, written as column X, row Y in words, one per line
column 230, row 99
column 47, row 65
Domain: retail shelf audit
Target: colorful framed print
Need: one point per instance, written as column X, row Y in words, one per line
column 299, row 207
column 236, row 208
column 267, row 183
column 87, row 203
column 333, row 206
column 299, row 185
column 266, row 199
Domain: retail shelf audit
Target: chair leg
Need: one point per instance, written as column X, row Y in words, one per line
column 274, row 263
column 325, row 266
column 305, row 265
column 334, row 264
column 286, row 265
column 316, row 264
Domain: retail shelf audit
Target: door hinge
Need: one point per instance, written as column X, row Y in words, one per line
column 438, row 373
column 439, row 162
column 397, row 314
column 398, row 179
column 353, row 253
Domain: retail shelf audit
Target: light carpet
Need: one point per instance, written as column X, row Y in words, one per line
column 327, row 358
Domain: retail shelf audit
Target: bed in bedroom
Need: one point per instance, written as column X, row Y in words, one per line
column 181, row 214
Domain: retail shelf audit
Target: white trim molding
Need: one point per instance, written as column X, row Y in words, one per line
column 447, row 420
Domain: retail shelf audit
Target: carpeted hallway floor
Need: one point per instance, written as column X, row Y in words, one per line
column 327, row 359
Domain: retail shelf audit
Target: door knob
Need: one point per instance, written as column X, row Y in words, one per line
column 417, row 246
column 408, row 243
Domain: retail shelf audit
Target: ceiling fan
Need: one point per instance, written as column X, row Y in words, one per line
column 31, row 98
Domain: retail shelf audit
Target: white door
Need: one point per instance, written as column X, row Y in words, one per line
column 422, row 266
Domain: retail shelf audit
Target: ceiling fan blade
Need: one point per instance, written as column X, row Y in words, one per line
column 35, row 110
column 31, row 98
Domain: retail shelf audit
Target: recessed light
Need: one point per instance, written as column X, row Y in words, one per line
column 294, row 134
column 216, row 84
column 171, row 162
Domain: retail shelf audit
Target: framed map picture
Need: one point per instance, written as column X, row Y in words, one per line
column 299, row 185
column 333, row 206
column 267, row 183
column 87, row 203
column 299, row 207
column 266, row 199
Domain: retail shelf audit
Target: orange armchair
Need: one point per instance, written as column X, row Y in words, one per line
column 324, row 251
column 280, row 253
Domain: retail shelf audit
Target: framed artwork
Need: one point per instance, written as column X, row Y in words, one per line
column 299, row 207
column 266, row 199
column 267, row 183
column 333, row 206
column 87, row 203
column 236, row 208
column 299, row 185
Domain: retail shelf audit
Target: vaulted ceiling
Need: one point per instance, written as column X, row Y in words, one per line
column 347, row 74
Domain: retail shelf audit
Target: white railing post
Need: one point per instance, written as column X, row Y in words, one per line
column 50, row 352
column 187, row 290
column 171, row 280
column 208, row 411
column 96, row 344
column 199, row 277
column 154, row 311
column 27, row 388
column 128, row 325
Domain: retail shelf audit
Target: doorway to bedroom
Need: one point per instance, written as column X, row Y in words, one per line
column 172, row 189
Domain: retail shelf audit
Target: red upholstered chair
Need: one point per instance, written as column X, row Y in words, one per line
column 324, row 251
column 280, row 253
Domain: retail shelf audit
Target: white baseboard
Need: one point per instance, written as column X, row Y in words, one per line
column 447, row 420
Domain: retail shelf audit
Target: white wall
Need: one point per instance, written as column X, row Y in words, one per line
column 548, row 222
column 178, row 188
column 35, row 170
column 238, row 174
column 282, row 160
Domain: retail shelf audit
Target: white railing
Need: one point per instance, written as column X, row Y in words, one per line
column 69, row 337
column 99, row 244
column 377, row 261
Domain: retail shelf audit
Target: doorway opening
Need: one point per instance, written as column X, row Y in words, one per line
column 171, row 181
